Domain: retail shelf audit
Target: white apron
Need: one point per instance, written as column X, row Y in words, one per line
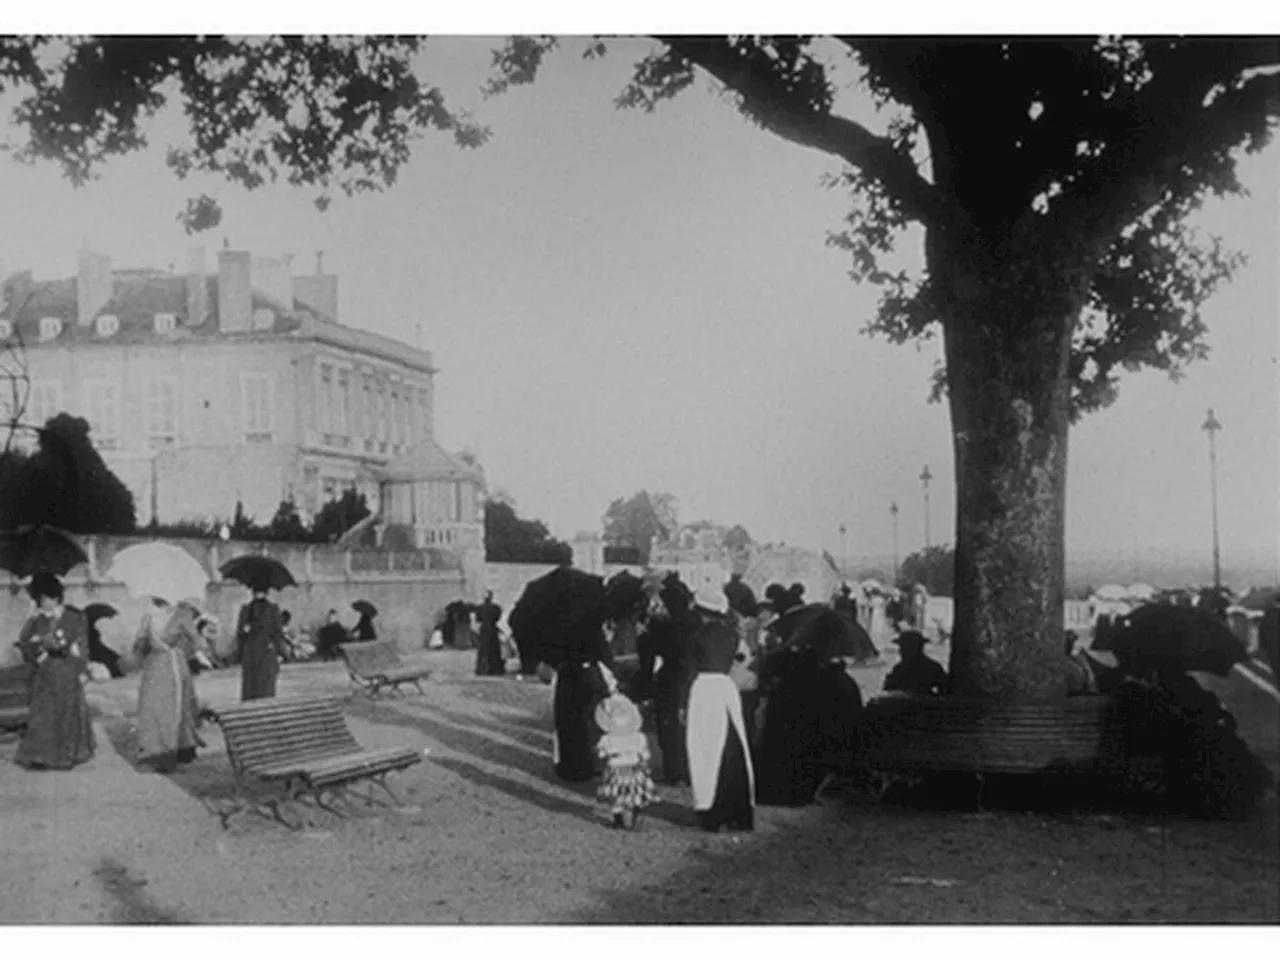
column 714, row 705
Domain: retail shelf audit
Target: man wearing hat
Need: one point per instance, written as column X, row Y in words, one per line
column 916, row 673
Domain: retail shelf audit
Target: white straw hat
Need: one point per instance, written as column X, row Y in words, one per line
column 711, row 598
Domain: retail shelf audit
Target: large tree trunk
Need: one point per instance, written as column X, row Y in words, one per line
column 1008, row 337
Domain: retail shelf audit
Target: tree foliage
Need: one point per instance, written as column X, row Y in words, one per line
column 64, row 483
column 323, row 113
column 934, row 568
column 336, row 517
column 640, row 521
column 510, row 539
column 1105, row 144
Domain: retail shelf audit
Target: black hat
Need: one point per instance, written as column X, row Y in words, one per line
column 911, row 638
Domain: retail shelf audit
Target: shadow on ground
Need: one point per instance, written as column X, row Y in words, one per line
column 842, row 864
column 130, row 903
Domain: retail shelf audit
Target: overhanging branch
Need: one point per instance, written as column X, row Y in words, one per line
column 792, row 117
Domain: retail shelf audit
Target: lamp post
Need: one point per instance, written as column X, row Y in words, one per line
column 844, row 548
column 1211, row 426
column 893, row 512
column 925, row 477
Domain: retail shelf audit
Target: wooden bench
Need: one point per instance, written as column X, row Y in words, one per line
column 299, row 748
column 375, row 666
column 913, row 732
column 907, row 735
column 15, row 698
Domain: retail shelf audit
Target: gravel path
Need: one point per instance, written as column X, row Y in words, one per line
column 488, row 835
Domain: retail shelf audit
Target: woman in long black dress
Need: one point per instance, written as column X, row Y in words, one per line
column 720, row 769
column 260, row 646
column 811, row 724
column 489, row 661
column 579, row 686
column 54, row 642
column 666, row 637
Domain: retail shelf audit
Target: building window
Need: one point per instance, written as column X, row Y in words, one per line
column 107, row 325
column 255, row 392
column 382, row 414
column 342, row 408
column 50, row 327
column 162, row 411
column 6, row 329
column 368, row 415
column 166, row 323
column 397, row 434
column 322, row 401
column 102, row 408
column 44, row 401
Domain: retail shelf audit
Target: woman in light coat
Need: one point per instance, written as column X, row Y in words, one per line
column 167, row 707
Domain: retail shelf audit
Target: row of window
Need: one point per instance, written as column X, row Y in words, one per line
column 108, row 325
column 350, row 404
column 102, row 402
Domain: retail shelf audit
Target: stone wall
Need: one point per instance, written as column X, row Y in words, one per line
column 409, row 595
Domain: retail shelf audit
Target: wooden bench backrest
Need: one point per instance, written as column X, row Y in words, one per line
column 372, row 656
column 13, row 686
column 964, row 734
column 263, row 733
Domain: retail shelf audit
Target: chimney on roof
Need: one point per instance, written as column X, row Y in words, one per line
column 93, row 285
column 273, row 276
column 197, row 289
column 235, row 290
column 318, row 293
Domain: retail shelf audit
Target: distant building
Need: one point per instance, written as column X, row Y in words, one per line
column 204, row 389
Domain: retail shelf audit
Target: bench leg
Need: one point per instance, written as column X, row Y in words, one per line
column 381, row 781
column 417, row 684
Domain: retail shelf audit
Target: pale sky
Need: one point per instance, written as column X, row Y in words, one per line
column 619, row 300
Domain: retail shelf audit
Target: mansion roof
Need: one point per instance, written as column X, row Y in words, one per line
column 137, row 296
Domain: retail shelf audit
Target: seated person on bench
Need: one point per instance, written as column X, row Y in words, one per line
column 916, row 673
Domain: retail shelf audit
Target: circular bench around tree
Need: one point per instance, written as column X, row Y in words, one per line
column 914, row 733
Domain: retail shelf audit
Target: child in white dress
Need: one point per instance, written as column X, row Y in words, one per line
column 627, row 786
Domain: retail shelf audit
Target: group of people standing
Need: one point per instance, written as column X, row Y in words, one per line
column 739, row 716
column 55, row 641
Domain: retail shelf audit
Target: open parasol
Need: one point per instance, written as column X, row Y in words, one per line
column 626, row 595
column 1178, row 636
column 160, row 570
column 258, row 572
column 562, row 613
column 29, row 550
column 100, row 611
column 364, row 608
column 819, row 628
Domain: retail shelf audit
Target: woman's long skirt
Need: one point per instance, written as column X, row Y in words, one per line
column 489, row 661
column 719, row 762
column 578, row 688
column 811, row 729
column 258, row 674
column 166, row 711
column 59, row 733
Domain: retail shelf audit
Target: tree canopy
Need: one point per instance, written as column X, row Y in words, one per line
column 510, row 539
column 640, row 521
column 64, row 483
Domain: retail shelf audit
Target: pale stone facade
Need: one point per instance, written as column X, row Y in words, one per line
column 204, row 390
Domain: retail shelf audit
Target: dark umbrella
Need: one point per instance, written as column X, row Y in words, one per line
column 99, row 611
column 626, row 596
column 561, row 613
column 365, row 608
column 258, row 572
column 824, row 631
column 29, row 550
column 1188, row 638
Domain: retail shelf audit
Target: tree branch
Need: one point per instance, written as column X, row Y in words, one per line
column 794, row 117
column 1236, row 116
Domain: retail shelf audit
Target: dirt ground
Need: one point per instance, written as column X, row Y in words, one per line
column 487, row 835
